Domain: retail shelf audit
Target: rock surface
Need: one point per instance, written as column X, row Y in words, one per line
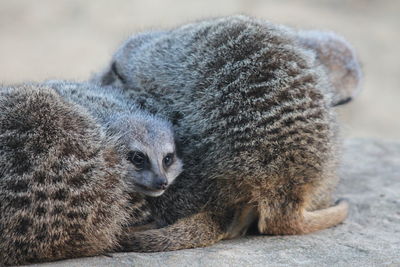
column 369, row 237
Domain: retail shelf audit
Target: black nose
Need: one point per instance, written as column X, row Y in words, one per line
column 161, row 183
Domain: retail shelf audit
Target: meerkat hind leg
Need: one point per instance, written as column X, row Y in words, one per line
column 242, row 220
column 140, row 228
column 198, row 230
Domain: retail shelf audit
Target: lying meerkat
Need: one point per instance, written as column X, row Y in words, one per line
column 146, row 140
column 73, row 160
column 251, row 103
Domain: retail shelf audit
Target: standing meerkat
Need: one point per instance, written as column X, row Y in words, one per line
column 72, row 161
column 251, row 103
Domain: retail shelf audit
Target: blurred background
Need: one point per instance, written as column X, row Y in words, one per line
column 70, row 39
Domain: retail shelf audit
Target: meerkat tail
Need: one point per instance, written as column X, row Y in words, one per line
column 199, row 230
column 307, row 222
column 325, row 218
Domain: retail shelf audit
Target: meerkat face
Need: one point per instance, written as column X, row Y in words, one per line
column 153, row 168
column 149, row 147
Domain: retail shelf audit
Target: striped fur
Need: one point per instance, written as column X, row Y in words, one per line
column 252, row 108
column 66, row 186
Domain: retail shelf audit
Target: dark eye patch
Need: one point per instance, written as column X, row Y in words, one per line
column 139, row 159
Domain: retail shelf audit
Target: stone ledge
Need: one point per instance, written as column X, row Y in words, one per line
column 370, row 236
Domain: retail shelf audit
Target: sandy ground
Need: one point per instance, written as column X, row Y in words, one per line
column 70, row 39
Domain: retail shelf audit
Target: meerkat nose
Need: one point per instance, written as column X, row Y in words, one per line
column 161, row 183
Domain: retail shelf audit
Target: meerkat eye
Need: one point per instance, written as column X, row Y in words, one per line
column 137, row 158
column 168, row 159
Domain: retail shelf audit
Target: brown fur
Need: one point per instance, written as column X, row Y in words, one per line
column 252, row 106
column 65, row 187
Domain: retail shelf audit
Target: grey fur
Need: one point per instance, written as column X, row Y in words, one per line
column 133, row 129
column 339, row 61
column 251, row 102
column 66, row 187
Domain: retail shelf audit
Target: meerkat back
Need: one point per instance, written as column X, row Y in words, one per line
column 252, row 105
column 61, row 189
column 76, row 162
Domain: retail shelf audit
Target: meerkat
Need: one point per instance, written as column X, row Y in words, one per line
column 252, row 106
column 146, row 140
column 75, row 163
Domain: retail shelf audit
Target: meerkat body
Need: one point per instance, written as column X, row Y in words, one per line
column 251, row 103
column 67, row 187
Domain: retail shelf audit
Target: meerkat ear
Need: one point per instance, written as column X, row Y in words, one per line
column 339, row 61
column 105, row 77
column 123, row 61
column 109, row 76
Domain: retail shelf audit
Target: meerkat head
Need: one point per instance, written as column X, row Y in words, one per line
column 149, row 146
column 339, row 60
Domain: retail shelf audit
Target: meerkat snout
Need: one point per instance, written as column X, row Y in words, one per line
column 161, row 183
